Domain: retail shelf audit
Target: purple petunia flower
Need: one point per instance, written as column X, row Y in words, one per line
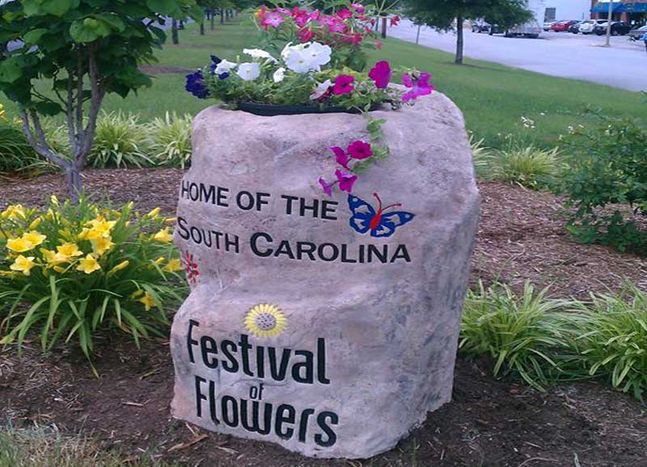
column 327, row 187
column 360, row 150
column 343, row 85
column 346, row 180
column 381, row 74
column 341, row 156
column 196, row 85
column 420, row 86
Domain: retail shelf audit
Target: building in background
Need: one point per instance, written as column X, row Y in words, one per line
column 631, row 11
column 562, row 10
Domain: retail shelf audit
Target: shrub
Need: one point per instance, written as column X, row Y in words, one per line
column 607, row 165
column 16, row 155
column 519, row 333
column 78, row 270
column 120, row 141
column 170, row 140
column 483, row 157
column 610, row 337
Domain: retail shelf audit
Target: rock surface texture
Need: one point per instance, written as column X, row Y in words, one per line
column 316, row 322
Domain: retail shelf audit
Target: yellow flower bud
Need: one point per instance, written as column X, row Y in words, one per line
column 35, row 223
column 154, row 213
column 119, row 267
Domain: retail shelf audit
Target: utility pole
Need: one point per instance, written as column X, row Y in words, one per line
column 609, row 18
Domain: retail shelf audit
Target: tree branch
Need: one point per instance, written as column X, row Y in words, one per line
column 38, row 140
column 97, row 92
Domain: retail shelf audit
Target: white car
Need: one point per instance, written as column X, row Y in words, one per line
column 587, row 27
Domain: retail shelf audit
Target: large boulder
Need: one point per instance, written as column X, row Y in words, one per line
column 318, row 322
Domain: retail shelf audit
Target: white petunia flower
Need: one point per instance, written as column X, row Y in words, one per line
column 307, row 57
column 224, row 66
column 319, row 53
column 279, row 75
column 249, row 71
column 259, row 53
column 322, row 88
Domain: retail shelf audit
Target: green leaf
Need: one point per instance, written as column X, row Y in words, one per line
column 164, row 7
column 10, row 70
column 32, row 37
column 89, row 30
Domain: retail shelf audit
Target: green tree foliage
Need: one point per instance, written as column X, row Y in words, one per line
column 446, row 15
column 83, row 50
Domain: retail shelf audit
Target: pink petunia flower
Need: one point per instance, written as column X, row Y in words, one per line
column 343, row 85
column 346, row 180
column 360, row 150
column 305, row 34
column 344, row 13
column 272, row 19
column 381, row 74
column 358, row 7
column 341, row 157
column 301, row 17
column 420, row 86
column 327, row 187
column 333, row 24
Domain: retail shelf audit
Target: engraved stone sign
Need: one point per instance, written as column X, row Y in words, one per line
column 328, row 325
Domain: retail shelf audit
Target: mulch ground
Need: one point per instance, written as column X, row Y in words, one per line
column 490, row 422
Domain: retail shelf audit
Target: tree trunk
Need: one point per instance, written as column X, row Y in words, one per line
column 213, row 20
column 202, row 28
column 181, row 26
column 74, row 182
column 174, row 34
column 384, row 27
column 459, row 41
column 222, row 16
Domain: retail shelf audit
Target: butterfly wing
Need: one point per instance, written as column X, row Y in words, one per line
column 363, row 213
column 391, row 221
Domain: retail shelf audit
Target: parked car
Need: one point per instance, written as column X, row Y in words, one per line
column 480, row 26
column 575, row 27
column 562, row 26
column 637, row 33
column 586, row 27
column 618, row 28
column 548, row 24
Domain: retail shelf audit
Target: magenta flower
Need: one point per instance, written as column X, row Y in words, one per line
column 273, row 19
column 358, row 7
column 333, row 24
column 344, row 13
column 360, row 150
column 343, row 85
column 420, row 86
column 395, row 20
column 346, row 180
column 305, row 35
column 327, row 187
column 381, row 74
column 301, row 17
column 341, row 157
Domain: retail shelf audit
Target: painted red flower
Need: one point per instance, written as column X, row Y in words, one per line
column 346, row 180
column 343, row 85
column 360, row 150
column 419, row 85
column 381, row 74
column 191, row 268
column 327, row 187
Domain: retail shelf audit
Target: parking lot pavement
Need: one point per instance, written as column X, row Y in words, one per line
column 623, row 65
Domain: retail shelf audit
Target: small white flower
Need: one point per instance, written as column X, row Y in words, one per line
column 322, row 88
column 249, row 71
column 279, row 75
column 307, row 57
column 259, row 53
column 224, row 66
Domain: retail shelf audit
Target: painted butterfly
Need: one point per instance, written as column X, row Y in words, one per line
column 365, row 218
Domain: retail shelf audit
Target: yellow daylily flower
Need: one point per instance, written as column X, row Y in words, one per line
column 101, row 225
column 13, row 212
column 69, row 249
column 35, row 223
column 119, row 267
column 102, row 245
column 154, row 213
column 163, row 236
column 34, row 237
column 173, row 265
column 88, row 265
column 148, row 301
column 19, row 245
column 23, row 264
column 53, row 258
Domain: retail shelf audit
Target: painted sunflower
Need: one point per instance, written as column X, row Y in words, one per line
column 265, row 320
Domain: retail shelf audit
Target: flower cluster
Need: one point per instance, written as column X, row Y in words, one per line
column 347, row 160
column 55, row 244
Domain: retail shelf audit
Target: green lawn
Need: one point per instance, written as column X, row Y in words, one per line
column 492, row 97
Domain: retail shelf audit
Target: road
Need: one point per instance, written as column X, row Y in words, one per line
column 623, row 65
